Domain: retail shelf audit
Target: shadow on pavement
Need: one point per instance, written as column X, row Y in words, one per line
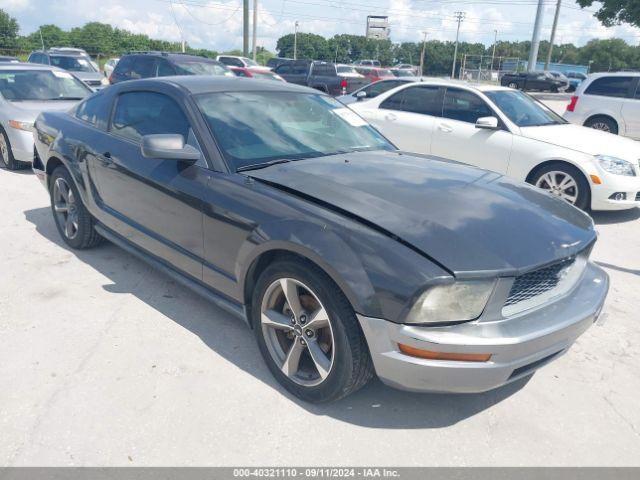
column 622, row 216
column 375, row 406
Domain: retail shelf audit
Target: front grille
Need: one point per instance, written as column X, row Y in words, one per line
column 537, row 282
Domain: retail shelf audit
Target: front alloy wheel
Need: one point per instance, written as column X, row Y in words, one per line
column 560, row 184
column 297, row 331
column 307, row 332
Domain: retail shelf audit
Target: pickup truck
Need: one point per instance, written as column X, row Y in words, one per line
column 542, row 81
column 331, row 78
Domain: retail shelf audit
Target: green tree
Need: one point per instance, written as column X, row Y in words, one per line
column 9, row 29
column 52, row 36
column 615, row 12
column 310, row 46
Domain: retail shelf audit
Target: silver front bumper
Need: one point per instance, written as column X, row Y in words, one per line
column 518, row 345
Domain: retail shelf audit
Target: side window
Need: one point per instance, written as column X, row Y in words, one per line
column 165, row 69
column 123, row 68
column 464, row 106
column 283, row 69
column 94, row 109
column 146, row 113
column 610, row 86
column 232, row 62
column 394, row 102
column 299, row 69
column 375, row 89
column 143, row 67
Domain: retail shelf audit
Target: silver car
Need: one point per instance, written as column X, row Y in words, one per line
column 73, row 60
column 25, row 91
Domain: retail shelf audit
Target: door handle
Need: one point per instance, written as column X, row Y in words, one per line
column 106, row 158
column 443, row 127
column 391, row 116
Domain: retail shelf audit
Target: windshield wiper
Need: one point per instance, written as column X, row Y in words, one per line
column 257, row 166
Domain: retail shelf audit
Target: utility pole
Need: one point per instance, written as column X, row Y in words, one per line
column 535, row 40
column 493, row 54
column 459, row 16
column 245, row 27
column 424, row 46
column 255, row 28
column 553, row 35
column 295, row 42
column 41, row 40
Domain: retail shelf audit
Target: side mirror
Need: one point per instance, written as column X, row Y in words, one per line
column 361, row 95
column 488, row 123
column 168, row 146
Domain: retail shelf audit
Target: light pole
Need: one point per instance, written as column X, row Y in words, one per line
column 255, row 28
column 295, row 42
column 553, row 35
column 535, row 40
column 424, row 46
column 493, row 54
column 459, row 16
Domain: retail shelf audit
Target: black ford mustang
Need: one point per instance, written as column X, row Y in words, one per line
column 345, row 256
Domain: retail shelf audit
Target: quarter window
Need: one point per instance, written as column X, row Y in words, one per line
column 146, row 113
column 610, row 87
column 94, row 109
column 464, row 106
column 426, row 100
column 165, row 69
column 143, row 67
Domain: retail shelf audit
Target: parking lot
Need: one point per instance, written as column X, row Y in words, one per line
column 106, row 361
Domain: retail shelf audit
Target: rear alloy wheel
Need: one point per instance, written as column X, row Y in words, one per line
column 602, row 123
column 513, row 85
column 74, row 223
column 565, row 182
column 308, row 333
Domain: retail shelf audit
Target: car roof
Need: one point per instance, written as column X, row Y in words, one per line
column 197, row 84
column 614, row 74
column 447, row 82
column 169, row 55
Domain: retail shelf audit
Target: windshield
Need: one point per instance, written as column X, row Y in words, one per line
column 17, row 85
column 522, row 109
column 73, row 64
column 254, row 128
column 199, row 68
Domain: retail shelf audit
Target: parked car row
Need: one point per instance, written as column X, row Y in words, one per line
column 347, row 257
column 509, row 132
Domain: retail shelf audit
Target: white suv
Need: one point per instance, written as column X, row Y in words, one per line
column 609, row 102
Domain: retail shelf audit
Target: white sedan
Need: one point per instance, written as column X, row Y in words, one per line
column 509, row 132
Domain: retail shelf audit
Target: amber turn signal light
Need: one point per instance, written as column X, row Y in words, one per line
column 595, row 179
column 428, row 354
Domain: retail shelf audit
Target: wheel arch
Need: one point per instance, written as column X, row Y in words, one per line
column 586, row 177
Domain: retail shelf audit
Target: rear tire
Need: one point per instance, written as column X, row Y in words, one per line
column 6, row 154
column 320, row 332
column 74, row 223
column 513, row 85
column 605, row 124
column 564, row 181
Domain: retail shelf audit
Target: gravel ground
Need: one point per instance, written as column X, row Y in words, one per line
column 106, row 361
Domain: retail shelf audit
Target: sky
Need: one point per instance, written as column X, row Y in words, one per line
column 217, row 24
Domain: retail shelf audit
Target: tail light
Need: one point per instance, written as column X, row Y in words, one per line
column 111, row 78
column 572, row 104
column 343, row 85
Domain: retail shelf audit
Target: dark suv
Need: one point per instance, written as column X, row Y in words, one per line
column 162, row 64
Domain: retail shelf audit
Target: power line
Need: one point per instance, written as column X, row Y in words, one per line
column 460, row 17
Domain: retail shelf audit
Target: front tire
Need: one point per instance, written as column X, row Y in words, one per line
column 566, row 182
column 308, row 333
column 74, row 223
column 6, row 154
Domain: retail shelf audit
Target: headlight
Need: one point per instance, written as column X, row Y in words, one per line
column 104, row 81
column 458, row 302
column 17, row 124
column 617, row 166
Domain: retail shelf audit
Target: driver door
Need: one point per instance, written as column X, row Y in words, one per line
column 153, row 202
column 456, row 137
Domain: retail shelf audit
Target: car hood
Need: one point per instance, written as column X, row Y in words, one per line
column 28, row 111
column 471, row 221
column 585, row 140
